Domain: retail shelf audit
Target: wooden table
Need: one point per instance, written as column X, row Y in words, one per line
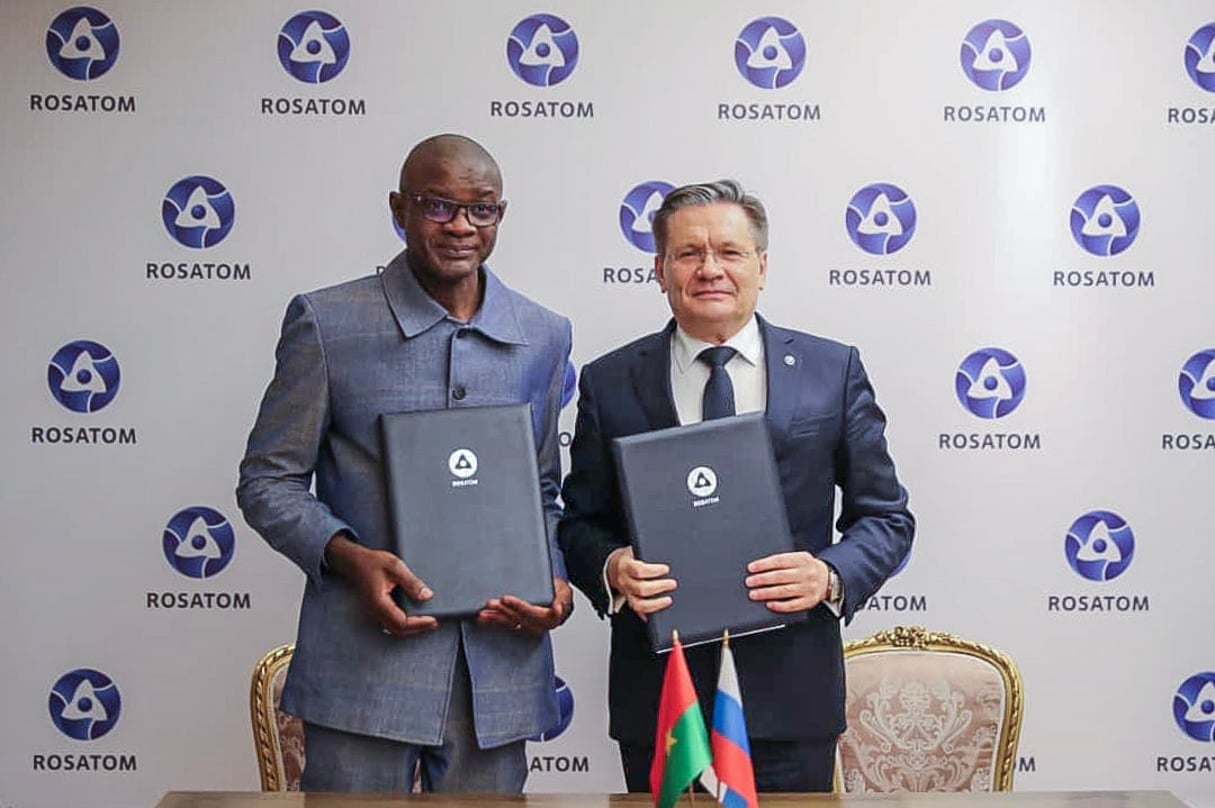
column 1010, row 799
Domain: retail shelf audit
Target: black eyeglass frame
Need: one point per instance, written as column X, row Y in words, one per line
column 454, row 207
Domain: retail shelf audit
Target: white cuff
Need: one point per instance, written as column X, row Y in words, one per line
column 615, row 599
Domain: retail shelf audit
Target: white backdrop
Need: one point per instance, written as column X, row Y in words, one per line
column 126, row 666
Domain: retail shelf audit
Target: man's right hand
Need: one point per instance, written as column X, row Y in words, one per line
column 374, row 574
column 644, row 586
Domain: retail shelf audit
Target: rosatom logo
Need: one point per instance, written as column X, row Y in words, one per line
column 770, row 52
column 82, row 43
column 1099, row 545
column 880, row 218
column 1105, row 220
column 565, row 711
column 1194, row 707
column 462, row 463
column 199, row 542
column 85, row 704
column 313, row 46
column 1197, row 383
column 198, row 212
column 702, row 482
column 1200, row 57
column 83, row 376
column 990, row 383
column 637, row 213
column 995, row 55
column 542, row 50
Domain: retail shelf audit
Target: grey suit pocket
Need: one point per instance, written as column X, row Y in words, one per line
column 811, row 426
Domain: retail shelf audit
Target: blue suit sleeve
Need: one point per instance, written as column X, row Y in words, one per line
column 274, row 491
column 876, row 528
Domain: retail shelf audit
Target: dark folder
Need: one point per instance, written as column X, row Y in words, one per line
column 706, row 500
column 463, row 494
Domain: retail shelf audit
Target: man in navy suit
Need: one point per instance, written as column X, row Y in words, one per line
column 718, row 357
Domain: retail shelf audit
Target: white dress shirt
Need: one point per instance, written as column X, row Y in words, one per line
column 745, row 368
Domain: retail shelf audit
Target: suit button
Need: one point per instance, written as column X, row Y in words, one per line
column 458, row 393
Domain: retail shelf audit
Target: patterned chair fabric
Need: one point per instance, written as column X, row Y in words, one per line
column 277, row 736
column 928, row 711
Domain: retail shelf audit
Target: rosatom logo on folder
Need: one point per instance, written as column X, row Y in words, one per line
column 463, row 465
column 702, row 482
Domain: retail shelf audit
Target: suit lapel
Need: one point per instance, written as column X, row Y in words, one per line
column 651, row 377
column 783, row 363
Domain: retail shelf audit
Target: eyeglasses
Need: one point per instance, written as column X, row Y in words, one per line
column 695, row 257
column 442, row 211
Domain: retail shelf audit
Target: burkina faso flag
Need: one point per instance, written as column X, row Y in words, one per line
column 681, row 745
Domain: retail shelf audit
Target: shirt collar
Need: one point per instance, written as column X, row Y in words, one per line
column 416, row 311
column 747, row 341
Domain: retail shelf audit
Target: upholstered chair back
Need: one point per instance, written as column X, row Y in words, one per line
column 928, row 711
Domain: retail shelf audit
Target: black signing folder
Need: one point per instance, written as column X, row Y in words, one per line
column 463, row 492
column 706, row 500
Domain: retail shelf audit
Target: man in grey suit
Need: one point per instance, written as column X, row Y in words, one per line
column 717, row 358
column 380, row 690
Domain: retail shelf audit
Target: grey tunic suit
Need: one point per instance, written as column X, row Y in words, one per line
column 347, row 354
column 826, row 431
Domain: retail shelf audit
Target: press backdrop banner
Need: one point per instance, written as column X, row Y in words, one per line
column 1006, row 206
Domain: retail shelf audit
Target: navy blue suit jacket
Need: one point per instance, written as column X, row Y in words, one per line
column 827, row 433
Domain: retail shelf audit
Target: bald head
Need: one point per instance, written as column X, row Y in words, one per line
column 448, row 182
column 455, row 152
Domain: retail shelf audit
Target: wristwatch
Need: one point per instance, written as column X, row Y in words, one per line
column 833, row 586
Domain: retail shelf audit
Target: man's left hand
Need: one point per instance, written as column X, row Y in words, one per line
column 513, row 614
column 788, row 582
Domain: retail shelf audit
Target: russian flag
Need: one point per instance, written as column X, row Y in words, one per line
column 734, row 783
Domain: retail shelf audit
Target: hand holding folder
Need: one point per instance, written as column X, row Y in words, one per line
column 376, row 575
column 647, row 587
column 516, row 614
column 788, row 582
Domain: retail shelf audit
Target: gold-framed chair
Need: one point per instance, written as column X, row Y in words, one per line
column 928, row 711
column 278, row 738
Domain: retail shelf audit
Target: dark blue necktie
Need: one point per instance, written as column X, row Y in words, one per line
column 719, row 392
